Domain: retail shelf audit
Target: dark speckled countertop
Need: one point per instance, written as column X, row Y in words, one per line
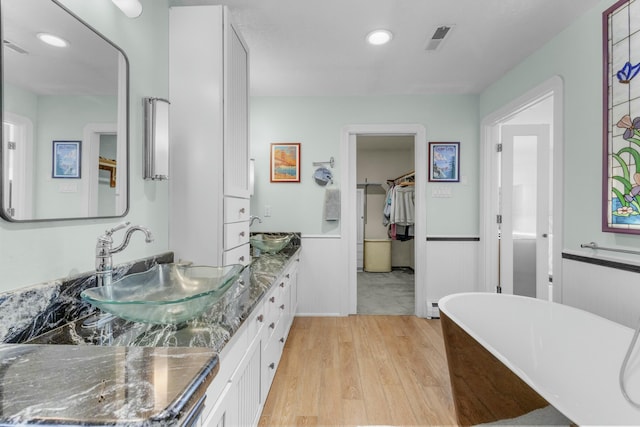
column 81, row 385
column 128, row 373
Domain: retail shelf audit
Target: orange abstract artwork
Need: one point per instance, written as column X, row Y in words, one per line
column 285, row 162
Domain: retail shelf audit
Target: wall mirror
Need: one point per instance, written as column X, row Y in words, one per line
column 64, row 116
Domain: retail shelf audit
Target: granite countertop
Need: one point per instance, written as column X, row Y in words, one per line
column 212, row 330
column 126, row 372
column 75, row 385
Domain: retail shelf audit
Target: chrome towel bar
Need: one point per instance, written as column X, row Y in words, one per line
column 594, row 245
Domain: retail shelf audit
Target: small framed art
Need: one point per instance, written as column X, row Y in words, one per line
column 285, row 162
column 444, row 162
column 66, row 159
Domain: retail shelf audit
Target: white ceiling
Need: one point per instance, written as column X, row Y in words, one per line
column 299, row 47
column 89, row 66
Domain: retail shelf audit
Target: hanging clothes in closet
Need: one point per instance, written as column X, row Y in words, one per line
column 399, row 209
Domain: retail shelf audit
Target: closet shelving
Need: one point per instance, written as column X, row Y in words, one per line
column 371, row 187
column 404, row 180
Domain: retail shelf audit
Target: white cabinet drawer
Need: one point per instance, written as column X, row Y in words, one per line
column 239, row 255
column 236, row 210
column 236, row 234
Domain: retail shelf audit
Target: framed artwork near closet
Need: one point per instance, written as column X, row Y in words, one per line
column 285, row 162
column 66, row 159
column 621, row 118
column 444, row 162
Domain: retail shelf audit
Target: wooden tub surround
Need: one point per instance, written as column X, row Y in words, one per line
column 510, row 355
column 484, row 390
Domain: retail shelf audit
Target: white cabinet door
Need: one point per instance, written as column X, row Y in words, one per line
column 247, row 382
column 224, row 412
column 236, row 111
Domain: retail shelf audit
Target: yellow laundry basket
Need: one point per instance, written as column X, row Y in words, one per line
column 377, row 255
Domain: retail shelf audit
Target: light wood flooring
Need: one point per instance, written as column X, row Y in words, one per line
column 361, row 370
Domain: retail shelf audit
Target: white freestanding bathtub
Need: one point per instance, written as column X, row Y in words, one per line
column 509, row 355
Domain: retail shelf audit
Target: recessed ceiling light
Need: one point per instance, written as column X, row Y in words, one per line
column 378, row 37
column 52, row 40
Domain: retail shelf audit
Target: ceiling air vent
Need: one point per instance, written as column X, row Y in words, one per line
column 438, row 37
column 14, row 47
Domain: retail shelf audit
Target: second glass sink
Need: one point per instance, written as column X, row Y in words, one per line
column 270, row 243
column 164, row 294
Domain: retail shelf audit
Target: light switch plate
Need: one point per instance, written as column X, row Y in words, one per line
column 441, row 192
column 68, row 187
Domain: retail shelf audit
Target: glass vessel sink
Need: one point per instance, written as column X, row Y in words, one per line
column 164, row 294
column 270, row 243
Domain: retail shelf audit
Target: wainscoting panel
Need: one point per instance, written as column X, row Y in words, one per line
column 322, row 281
column 603, row 287
column 452, row 266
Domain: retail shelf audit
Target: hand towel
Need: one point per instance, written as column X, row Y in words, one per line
column 332, row 205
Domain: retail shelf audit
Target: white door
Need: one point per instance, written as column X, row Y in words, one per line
column 360, row 236
column 16, row 131
column 525, row 237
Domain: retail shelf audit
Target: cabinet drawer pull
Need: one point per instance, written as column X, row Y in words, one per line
column 272, row 365
column 272, row 325
column 241, row 258
column 242, row 234
column 242, row 210
column 261, row 318
column 282, row 340
column 241, row 282
column 272, row 299
column 282, row 284
column 288, row 276
column 282, row 307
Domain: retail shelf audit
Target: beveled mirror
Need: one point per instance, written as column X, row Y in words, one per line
column 64, row 117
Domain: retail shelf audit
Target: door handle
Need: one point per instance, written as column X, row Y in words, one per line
column 545, row 235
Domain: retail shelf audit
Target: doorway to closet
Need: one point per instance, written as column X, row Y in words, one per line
column 385, row 174
column 348, row 213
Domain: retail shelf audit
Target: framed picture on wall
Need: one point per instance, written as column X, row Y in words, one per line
column 621, row 118
column 444, row 162
column 66, row 159
column 285, row 162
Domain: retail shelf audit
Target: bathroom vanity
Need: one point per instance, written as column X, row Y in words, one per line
column 214, row 369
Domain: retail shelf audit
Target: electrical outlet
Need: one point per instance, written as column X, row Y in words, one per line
column 267, row 210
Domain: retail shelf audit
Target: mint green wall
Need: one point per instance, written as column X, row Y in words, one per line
column 20, row 101
column 57, row 118
column 317, row 122
column 62, row 248
column 64, row 118
column 37, row 252
column 576, row 56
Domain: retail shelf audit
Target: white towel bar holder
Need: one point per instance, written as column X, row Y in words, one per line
column 595, row 246
column 331, row 162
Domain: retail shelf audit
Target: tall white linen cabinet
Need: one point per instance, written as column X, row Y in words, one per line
column 209, row 154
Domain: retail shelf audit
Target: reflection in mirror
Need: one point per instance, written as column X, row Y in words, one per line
column 74, row 93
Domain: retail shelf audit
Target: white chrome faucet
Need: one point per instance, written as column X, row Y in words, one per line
column 104, row 262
